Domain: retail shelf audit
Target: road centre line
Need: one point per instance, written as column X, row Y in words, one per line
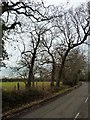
column 76, row 116
column 86, row 99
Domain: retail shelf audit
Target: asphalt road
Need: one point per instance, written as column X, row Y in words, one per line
column 73, row 105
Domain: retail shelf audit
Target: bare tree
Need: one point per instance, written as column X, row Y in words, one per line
column 48, row 45
column 34, row 33
column 35, row 11
column 73, row 30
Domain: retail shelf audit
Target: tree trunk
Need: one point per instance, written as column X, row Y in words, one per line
column 60, row 74
column 30, row 79
column 30, row 76
column 61, row 68
column 33, row 84
column 53, row 75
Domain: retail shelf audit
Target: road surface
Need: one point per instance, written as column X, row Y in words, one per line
column 73, row 105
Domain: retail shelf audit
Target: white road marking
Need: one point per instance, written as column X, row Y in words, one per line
column 86, row 99
column 76, row 116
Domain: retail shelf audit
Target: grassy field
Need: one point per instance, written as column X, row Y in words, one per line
column 9, row 86
column 13, row 85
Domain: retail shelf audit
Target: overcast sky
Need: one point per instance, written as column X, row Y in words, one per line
column 57, row 2
column 73, row 3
